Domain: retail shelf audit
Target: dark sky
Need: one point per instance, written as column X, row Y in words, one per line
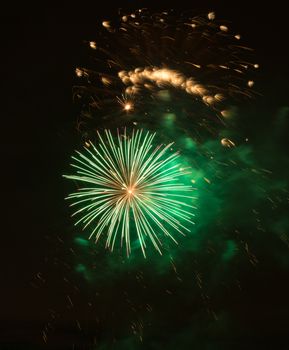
column 41, row 46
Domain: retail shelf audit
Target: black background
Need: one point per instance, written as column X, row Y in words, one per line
column 41, row 46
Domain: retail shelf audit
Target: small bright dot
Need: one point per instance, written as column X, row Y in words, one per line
column 128, row 107
column 250, row 83
column 105, row 81
column 78, row 72
column 92, row 44
column 211, row 15
column 224, row 28
column 106, row 24
column 225, row 113
column 227, row 143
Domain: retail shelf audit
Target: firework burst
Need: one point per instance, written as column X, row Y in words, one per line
column 131, row 187
column 191, row 65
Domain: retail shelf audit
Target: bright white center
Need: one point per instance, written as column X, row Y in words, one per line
column 127, row 106
column 130, row 190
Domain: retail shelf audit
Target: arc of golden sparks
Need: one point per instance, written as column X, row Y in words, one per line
column 166, row 77
column 128, row 184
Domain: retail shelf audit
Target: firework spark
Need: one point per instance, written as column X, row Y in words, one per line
column 131, row 187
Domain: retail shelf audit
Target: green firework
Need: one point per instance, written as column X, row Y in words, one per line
column 130, row 187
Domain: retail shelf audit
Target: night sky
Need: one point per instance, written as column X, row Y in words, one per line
column 57, row 294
